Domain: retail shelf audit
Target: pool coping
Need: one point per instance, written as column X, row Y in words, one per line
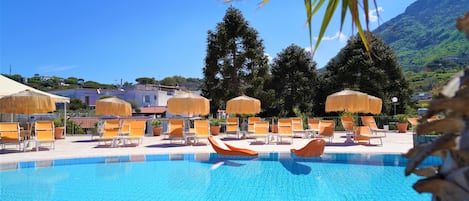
column 74, row 147
column 383, row 159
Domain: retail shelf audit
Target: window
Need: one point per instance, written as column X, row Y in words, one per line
column 146, row 99
column 87, row 100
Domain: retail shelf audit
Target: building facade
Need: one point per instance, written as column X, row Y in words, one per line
column 143, row 96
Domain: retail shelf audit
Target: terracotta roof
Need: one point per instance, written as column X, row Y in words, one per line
column 85, row 122
column 153, row 110
column 89, row 122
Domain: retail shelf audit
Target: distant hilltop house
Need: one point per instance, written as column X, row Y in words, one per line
column 46, row 77
column 422, row 97
column 151, row 99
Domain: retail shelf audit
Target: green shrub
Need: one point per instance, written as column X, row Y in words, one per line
column 59, row 122
column 214, row 121
column 156, row 123
column 401, row 118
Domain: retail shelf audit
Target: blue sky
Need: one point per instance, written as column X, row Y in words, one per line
column 112, row 40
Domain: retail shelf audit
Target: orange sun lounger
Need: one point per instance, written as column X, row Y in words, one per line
column 230, row 150
column 312, row 149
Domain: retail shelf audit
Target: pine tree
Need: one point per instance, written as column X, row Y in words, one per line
column 294, row 80
column 235, row 63
column 380, row 76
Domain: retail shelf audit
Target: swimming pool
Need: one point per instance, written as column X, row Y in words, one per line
column 271, row 176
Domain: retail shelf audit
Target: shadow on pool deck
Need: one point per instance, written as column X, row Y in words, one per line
column 341, row 144
column 9, row 151
column 166, row 145
column 84, row 141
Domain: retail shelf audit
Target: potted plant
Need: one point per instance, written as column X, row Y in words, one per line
column 59, row 128
column 402, row 123
column 156, row 127
column 214, row 126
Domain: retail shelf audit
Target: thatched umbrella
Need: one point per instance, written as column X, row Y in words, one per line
column 27, row 102
column 188, row 104
column 243, row 105
column 113, row 106
column 353, row 101
column 375, row 104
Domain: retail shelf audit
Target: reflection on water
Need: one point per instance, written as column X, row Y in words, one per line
column 36, row 184
column 118, row 170
column 295, row 167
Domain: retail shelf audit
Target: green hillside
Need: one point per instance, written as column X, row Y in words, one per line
column 425, row 35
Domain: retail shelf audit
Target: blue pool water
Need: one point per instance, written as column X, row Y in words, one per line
column 271, row 176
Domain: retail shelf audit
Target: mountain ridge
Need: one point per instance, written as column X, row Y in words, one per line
column 425, row 35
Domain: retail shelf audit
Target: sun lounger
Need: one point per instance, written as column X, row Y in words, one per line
column 251, row 121
column 313, row 149
column 176, row 129
column 370, row 122
column 136, row 130
column 229, row 150
column 261, row 130
column 285, row 129
column 313, row 125
column 348, row 124
column 326, row 129
column 365, row 133
column 232, row 126
column 110, row 131
column 202, row 129
column 44, row 131
column 297, row 125
column 10, row 134
column 413, row 122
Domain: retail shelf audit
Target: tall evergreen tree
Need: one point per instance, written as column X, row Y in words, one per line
column 294, row 79
column 380, row 76
column 235, row 63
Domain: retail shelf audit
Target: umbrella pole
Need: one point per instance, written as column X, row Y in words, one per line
column 30, row 125
column 65, row 119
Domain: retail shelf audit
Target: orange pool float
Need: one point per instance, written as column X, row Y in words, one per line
column 312, row 149
column 230, row 150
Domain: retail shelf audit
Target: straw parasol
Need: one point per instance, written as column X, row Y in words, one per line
column 27, row 102
column 243, row 105
column 113, row 106
column 375, row 104
column 347, row 101
column 188, row 104
column 353, row 101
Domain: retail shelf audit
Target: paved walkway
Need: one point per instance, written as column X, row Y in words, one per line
column 83, row 146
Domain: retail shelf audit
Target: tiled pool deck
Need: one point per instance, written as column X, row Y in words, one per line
column 83, row 147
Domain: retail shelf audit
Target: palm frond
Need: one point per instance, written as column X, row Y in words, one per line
column 352, row 5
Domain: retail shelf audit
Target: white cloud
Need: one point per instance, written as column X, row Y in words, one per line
column 372, row 14
column 55, row 68
column 338, row 35
column 268, row 57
